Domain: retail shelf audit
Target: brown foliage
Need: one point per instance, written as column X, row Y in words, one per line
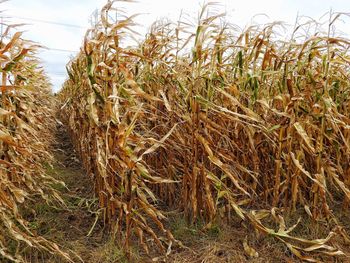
column 211, row 123
column 25, row 134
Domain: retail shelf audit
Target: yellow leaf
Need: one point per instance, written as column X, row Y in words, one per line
column 251, row 252
column 304, row 136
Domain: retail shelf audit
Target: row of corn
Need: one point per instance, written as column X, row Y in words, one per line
column 215, row 122
column 26, row 122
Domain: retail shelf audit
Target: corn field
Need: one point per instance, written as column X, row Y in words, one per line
column 200, row 117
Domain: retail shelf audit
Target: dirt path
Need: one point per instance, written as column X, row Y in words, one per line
column 76, row 228
column 73, row 226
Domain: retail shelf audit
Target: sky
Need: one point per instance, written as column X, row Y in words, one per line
column 60, row 25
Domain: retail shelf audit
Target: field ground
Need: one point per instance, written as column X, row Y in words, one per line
column 70, row 227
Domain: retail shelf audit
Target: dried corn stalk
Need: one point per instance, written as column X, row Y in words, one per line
column 25, row 133
column 210, row 121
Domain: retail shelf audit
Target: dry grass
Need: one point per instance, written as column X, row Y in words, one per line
column 214, row 122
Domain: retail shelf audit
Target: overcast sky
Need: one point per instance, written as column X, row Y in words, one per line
column 63, row 22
